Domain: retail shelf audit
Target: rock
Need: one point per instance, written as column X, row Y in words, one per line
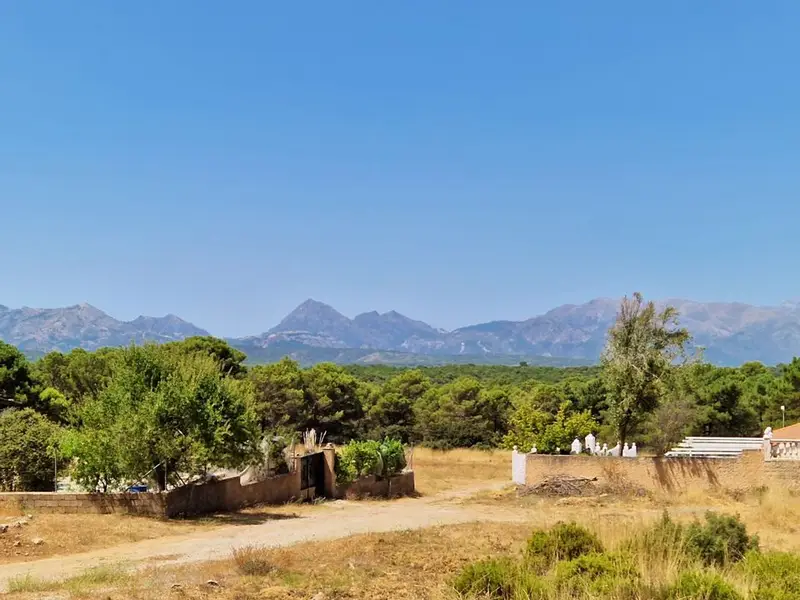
column 37, row 541
column 17, row 544
column 29, row 517
column 318, row 596
column 3, row 528
column 212, row 583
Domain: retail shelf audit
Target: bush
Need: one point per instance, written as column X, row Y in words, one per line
column 27, row 442
column 702, row 585
column 776, row 575
column 252, row 560
column 721, row 540
column 564, row 541
column 664, row 541
column 359, row 459
column 393, row 454
column 498, row 579
column 600, row 574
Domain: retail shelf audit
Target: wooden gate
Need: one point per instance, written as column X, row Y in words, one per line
column 312, row 476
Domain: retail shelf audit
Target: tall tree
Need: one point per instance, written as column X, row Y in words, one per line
column 644, row 347
column 229, row 359
column 16, row 380
column 163, row 413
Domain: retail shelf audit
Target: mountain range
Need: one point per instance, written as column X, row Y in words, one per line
column 731, row 333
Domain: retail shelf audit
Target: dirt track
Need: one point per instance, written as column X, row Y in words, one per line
column 325, row 522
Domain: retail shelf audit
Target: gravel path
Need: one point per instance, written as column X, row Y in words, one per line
column 328, row 521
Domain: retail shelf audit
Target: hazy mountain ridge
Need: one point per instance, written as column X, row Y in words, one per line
column 39, row 330
column 732, row 333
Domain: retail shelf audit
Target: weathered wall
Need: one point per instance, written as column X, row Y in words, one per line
column 49, row 502
column 392, row 487
column 230, row 494
column 669, row 474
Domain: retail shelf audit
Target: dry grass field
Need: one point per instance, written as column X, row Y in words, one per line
column 437, row 471
column 62, row 535
column 422, row 564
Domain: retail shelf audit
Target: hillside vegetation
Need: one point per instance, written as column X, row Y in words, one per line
column 152, row 412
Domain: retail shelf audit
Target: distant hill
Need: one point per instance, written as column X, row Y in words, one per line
column 731, row 333
column 40, row 330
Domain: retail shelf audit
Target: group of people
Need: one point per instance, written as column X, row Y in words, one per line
column 593, row 447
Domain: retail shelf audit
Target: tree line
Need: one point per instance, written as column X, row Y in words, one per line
column 158, row 413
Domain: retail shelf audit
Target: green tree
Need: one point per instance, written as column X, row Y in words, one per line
column 77, row 375
column 280, row 397
column 16, row 380
column 27, row 445
column 229, row 359
column 335, row 399
column 462, row 414
column 532, row 427
column 721, row 404
column 390, row 408
column 163, row 413
column 643, row 348
column 324, row 397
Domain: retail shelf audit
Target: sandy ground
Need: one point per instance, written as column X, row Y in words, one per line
column 325, row 522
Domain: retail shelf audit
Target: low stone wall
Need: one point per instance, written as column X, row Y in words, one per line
column 48, row 502
column 230, row 494
column 372, row 487
column 673, row 475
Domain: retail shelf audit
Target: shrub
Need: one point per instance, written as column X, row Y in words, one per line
column 600, row 574
column 720, row 540
column 564, row 541
column 701, row 585
column 27, row 441
column 776, row 575
column 252, row 560
column 662, row 542
column 359, row 459
column 498, row 579
column 393, row 454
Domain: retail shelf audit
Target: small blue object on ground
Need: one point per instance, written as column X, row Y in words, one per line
column 137, row 488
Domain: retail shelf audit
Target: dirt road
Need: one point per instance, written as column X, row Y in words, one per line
column 324, row 522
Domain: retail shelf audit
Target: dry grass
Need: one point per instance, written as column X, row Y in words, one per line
column 437, row 471
column 107, row 576
column 71, row 534
column 421, row 564
column 417, row 564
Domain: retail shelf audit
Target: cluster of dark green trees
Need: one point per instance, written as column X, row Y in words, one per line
column 149, row 413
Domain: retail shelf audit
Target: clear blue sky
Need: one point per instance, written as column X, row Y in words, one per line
column 456, row 161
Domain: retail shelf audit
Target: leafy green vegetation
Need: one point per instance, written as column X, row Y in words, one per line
column 723, row 562
column 360, row 459
column 124, row 414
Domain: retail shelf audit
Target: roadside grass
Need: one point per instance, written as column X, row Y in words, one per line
column 106, row 576
column 423, row 564
column 63, row 535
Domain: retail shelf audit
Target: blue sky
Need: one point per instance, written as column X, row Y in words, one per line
column 458, row 162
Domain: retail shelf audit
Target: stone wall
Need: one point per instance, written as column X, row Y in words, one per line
column 228, row 495
column 49, row 502
column 225, row 495
column 372, row 487
column 674, row 475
